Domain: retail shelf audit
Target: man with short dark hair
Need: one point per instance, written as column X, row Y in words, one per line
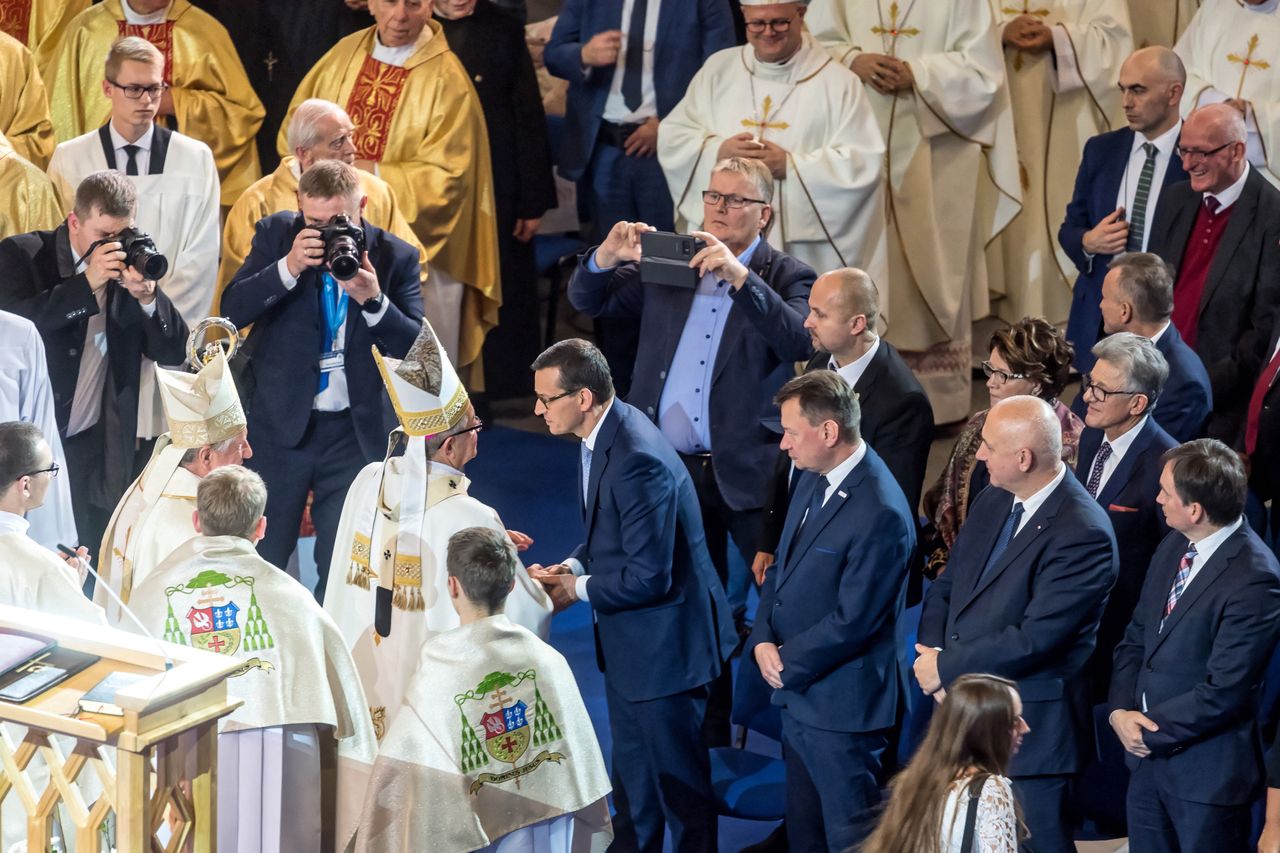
column 1189, row 671
column 317, row 403
column 99, row 317
column 829, row 614
column 663, row 630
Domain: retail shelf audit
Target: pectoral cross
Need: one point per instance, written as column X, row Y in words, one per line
column 894, row 29
column 763, row 124
column 1247, row 61
column 271, row 63
column 1025, row 10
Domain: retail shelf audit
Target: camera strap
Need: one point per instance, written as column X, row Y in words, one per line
column 333, row 302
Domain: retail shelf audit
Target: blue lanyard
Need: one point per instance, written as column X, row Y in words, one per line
column 333, row 299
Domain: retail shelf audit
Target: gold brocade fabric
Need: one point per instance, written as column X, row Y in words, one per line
column 436, row 158
column 279, row 191
column 24, row 105
column 40, row 25
column 212, row 99
column 28, row 202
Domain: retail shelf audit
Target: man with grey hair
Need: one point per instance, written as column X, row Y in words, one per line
column 1021, row 597
column 1119, row 465
column 1221, row 231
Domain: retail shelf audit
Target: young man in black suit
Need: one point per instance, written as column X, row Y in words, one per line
column 1188, row 673
column 316, row 398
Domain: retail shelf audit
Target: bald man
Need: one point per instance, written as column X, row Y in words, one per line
column 1021, row 597
column 1121, row 179
column 1221, row 232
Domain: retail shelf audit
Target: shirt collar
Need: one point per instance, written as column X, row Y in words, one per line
column 1262, row 8
column 1206, row 546
column 1231, row 194
column 1123, row 442
column 837, row 475
column 1033, row 503
column 590, row 440
column 853, row 371
column 144, row 141
column 1155, row 339
column 10, row 523
column 1164, row 143
column 745, row 257
column 134, row 17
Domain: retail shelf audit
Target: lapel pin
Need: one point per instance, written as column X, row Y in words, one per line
column 842, row 494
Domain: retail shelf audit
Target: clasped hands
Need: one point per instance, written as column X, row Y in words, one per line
column 748, row 146
column 560, row 583
column 622, row 245
column 888, row 75
column 1028, row 34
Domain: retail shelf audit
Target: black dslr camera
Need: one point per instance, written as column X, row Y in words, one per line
column 343, row 246
column 140, row 252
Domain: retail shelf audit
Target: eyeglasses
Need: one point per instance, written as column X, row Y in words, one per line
column 52, row 471
column 1193, row 154
column 778, row 25
column 1088, row 386
column 1002, row 375
column 733, row 202
column 476, row 427
column 547, row 401
column 134, row 92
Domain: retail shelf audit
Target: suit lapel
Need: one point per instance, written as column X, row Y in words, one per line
column 735, row 324
column 1031, row 529
column 600, row 458
column 1237, row 225
column 1116, row 169
column 813, row 526
column 1120, row 477
column 1204, row 579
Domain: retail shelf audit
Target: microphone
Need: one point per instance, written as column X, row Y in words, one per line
column 124, row 608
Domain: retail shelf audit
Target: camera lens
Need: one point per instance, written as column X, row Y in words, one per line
column 343, row 258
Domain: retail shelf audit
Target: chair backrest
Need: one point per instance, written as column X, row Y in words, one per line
column 752, row 708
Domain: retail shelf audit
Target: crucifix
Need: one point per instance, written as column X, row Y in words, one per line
column 894, row 29
column 271, row 63
column 1247, row 61
column 1025, row 10
column 501, row 702
column 763, row 124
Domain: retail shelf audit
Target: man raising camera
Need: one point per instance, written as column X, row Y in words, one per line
column 98, row 315
column 320, row 286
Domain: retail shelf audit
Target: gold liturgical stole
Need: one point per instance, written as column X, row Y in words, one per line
column 372, row 105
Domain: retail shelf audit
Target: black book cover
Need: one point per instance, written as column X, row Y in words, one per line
column 42, row 672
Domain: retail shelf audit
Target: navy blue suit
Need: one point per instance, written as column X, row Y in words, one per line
column 1103, row 168
column 662, row 630
column 831, row 602
column 298, row 449
column 1129, row 498
column 1200, row 677
column 1032, row 618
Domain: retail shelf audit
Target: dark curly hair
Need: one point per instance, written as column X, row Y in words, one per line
column 1036, row 349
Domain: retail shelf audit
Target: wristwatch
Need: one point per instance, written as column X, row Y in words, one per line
column 374, row 305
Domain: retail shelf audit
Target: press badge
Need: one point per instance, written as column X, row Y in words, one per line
column 331, row 361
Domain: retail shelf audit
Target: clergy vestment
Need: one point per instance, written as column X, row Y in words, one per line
column 299, row 686
column 36, row 578
column 40, row 25
column 24, row 104
column 1061, row 98
column 279, row 191
column 409, row 506
column 1160, row 22
column 829, row 209
column 212, row 99
column 524, row 773
column 26, row 395
column 420, row 121
column 950, row 140
column 1232, row 50
column 29, row 202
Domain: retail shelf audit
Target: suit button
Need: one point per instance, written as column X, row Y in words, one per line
column 73, row 352
column 955, row 636
column 662, row 375
column 1150, row 668
column 649, row 411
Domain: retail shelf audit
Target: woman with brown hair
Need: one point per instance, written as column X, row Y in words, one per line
column 1030, row 357
column 954, row 797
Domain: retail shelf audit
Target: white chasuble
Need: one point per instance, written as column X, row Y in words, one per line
column 829, row 208
column 950, row 140
column 1232, row 51
column 494, row 740
column 35, row 578
column 396, row 521
column 1160, row 22
column 1061, row 98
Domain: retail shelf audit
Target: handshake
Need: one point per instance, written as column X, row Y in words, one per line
column 559, row 580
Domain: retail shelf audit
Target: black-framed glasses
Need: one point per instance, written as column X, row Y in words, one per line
column 547, row 401
column 733, row 202
column 778, row 25
column 475, row 427
column 1088, row 386
column 135, row 92
column 1002, row 375
column 1193, row 154
column 52, row 471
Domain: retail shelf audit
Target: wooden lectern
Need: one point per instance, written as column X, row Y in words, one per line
column 157, row 761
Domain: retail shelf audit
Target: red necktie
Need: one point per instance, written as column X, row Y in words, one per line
column 1255, row 403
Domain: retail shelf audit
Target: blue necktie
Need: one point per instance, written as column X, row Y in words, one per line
column 1002, row 541
column 815, row 503
column 586, row 471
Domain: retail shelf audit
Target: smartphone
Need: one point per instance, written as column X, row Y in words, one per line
column 664, row 259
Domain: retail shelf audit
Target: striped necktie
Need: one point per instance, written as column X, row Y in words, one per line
column 1095, row 473
column 1138, row 216
column 1179, row 582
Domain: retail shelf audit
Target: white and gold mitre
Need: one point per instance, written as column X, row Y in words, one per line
column 424, row 388
column 201, row 408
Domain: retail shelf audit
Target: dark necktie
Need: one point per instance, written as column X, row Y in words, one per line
column 1002, row 541
column 815, row 503
column 633, row 70
column 1179, row 582
column 1255, row 403
column 1095, row 473
column 131, row 167
column 1138, row 216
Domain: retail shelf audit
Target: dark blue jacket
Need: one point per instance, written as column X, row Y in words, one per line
column 833, row 598
column 763, row 337
column 1033, row 618
column 286, row 341
column 662, row 621
column 1202, row 674
column 688, row 32
column 1102, row 170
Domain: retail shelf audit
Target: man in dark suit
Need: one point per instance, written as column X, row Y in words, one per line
column 662, row 625
column 1137, row 297
column 711, row 357
column 316, row 408
column 825, row 636
column 628, row 63
column 896, row 417
column 1120, row 465
column 1221, row 232
column 1188, row 674
column 98, row 318
column 1021, row 597
column 1122, row 176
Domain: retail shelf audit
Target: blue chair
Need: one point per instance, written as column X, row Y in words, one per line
column 748, row 784
column 554, row 254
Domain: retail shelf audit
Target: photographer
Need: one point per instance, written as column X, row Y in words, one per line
column 320, row 292
column 98, row 316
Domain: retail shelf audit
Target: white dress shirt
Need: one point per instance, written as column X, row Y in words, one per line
column 1155, row 339
column 1033, row 503
column 1164, row 143
column 1231, row 194
column 837, row 475
column 580, row 585
column 615, row 107
column 1119, row 448
column 853, row 371
column 1206, row 548
column 142, row 156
